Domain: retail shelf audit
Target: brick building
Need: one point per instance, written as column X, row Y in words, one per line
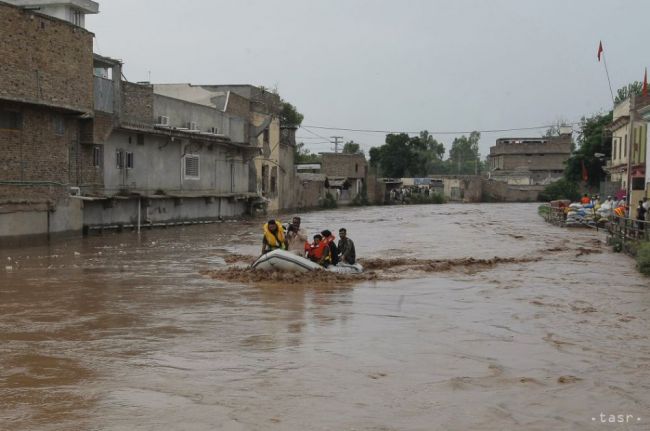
column 46, row 98
column 529, row 161
column 345, row 172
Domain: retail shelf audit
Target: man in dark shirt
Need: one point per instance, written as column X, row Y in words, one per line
column 346, row 248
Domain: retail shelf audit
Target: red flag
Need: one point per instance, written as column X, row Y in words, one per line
column 585, row 175
column 644, row 91
column 600, row 49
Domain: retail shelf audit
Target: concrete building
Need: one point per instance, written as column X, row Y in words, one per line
column 629, row 146
column 529, row 161
column 261, row 107
column 73, row 11
column 163, row 160
column 46, row 102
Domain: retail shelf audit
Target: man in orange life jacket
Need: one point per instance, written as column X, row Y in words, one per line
column 273, row 237
column 330, row 240
column 319, row 252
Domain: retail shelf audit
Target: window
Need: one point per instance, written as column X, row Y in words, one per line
column 191, row 167
column 129, row 160
column 59, row 125
column 356, row 167
column 614, row 154
column 119, row 159
column 77, row 17
column 140, row 139
column 625, row 146
column 98, row 155
column 11, row 120
column 266, row 138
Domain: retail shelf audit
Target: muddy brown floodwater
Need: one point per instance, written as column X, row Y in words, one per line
column 477, row 317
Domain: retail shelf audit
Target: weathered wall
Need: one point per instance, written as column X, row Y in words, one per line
column 181, row 112
column 137, row 103
column 497, row 191
column 164, row 210
column 34, row 220
column 158, row 165
column 37, row 153
column 45, row 60
column 344, row 165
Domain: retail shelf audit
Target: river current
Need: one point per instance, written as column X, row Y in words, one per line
column 127, row 332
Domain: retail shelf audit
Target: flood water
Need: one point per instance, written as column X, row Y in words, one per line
column 120, row 332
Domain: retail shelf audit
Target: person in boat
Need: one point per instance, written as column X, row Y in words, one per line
column 319, row 252
column 330, row 240
column 273, row 237
column 346, row 251
column 297, row 242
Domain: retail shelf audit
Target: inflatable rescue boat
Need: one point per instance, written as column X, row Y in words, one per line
column 282, row 260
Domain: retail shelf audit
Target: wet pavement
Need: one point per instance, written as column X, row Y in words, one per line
column 120, row 332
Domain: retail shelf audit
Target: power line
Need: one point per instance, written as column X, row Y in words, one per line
column 513, row 129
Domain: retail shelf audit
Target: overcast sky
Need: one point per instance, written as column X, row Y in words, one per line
column 391, row 65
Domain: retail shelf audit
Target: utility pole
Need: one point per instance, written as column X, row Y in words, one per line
column 336, row 142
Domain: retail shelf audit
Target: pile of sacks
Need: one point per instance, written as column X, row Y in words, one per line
column 579, row 214
column 588, row 214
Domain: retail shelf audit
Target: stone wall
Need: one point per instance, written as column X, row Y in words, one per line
column 41, row 155
column 45, row 60
column 344, row 165
column 137, row 104
column 497, row 191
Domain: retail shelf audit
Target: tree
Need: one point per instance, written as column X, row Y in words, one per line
column 464, row 153
column 289, row 115
column 400, row 156
column 436, row 149
column 625, row 92
column 352, row 147
column 303, row 155
column 594, row 148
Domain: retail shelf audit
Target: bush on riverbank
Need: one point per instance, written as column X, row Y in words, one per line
column 543, row 210
column 417, row 199
column 643, row 258
column 362, row 198
column 562, row 189
column 329, row 202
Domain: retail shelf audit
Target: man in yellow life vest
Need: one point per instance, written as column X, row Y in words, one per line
column 273, row 237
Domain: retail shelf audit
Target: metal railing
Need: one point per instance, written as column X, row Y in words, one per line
column 626, row 230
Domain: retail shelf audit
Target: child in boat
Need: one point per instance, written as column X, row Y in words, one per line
column 319, row 252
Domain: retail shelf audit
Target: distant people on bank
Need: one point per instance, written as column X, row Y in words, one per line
column 585, row 200
column 346, row 251
column 274, row 237
column 619, row 211
column 646, row 205
column 641, row 214
column 330, row 241
column 297, row 240
column 319, row 252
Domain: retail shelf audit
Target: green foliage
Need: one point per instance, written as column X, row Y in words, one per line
column 543, row 210
column 329, row 202
column 643, row 258
column 625, row 92
column 562, row 189
column 591, row 141
column 464, row 156
column 352, row 147
column 418, row 199
column 303, row 155
column 289, row 115
column 399, row 156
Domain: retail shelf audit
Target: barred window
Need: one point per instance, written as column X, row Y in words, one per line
column 98, row 155
column 129, row 160
column 59, row 125
column 119, row 159
column 191, row 167
column 11, row 120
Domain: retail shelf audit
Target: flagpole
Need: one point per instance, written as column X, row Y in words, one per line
column 608, row 80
